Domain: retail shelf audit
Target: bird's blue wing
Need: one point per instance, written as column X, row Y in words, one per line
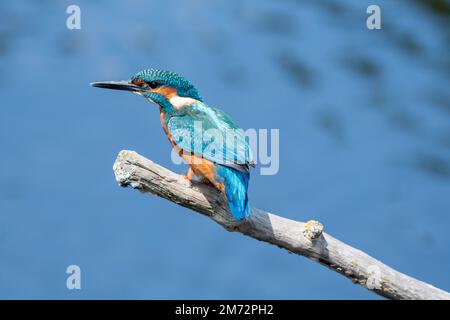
column 210, row 133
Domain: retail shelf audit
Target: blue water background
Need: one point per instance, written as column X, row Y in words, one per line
column 364, row 119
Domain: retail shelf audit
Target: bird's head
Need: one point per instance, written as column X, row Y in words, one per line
column 165, row 88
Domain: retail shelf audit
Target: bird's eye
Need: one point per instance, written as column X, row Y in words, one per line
column 153, row 84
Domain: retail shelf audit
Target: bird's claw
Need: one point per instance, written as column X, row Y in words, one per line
column 186, row 179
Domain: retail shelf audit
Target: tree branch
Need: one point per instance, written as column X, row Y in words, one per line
column 306, row 239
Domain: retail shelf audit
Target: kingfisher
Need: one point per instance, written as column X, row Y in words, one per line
column 206, row 138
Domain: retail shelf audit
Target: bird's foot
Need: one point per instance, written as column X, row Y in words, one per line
column 186, row 179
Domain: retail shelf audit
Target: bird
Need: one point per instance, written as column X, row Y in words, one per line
column 185, row 117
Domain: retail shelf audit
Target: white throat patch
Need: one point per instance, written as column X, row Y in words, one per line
column 180, row 102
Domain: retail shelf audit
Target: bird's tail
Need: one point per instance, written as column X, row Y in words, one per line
column 236, row 185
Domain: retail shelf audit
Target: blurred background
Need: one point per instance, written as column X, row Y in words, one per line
column 364, row 143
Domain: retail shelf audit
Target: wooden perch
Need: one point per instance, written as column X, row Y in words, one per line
column 306, row 239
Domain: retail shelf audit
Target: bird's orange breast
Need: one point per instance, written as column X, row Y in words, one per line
column 202, row 167
column 162, row 117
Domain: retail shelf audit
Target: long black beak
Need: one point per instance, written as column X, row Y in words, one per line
column 117, row 85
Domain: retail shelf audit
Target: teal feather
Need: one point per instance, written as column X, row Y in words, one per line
column 170, row 79
column 236, row 185
column 210, row 133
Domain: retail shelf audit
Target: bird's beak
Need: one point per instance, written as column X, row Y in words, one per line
column 117, row 85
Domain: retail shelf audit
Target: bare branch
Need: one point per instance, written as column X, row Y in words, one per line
column 306, row 239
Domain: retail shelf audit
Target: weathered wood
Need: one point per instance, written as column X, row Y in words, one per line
column 306, row 239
